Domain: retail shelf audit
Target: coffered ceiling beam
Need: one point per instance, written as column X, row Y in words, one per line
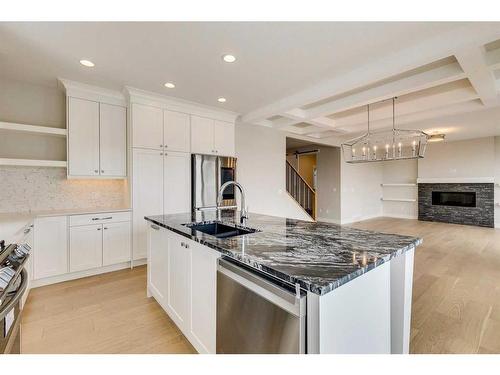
column 481, row 77
column 493, row 59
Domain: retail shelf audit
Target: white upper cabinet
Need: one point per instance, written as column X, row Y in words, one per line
column 202, row 135
column 224, row 138
column 176, row 131
column 147, row 126
column 83, row 137
column 177, row 183
column 212, row 137
column 97, row 139
column 113, row 140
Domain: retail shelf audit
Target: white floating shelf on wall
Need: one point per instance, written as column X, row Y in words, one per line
column 397, row 200
column 33, row 129
column 400, row 185
column 34, row 163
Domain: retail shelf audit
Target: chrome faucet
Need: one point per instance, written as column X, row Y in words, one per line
column 243, row 212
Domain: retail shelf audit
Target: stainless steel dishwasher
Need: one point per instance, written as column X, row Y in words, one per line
column 257, row 314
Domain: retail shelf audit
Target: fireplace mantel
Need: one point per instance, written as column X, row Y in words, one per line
column 456, row 180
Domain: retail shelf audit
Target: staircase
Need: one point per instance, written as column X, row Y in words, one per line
column 300, row 190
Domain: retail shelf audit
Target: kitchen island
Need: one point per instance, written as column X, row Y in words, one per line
column 358, row 283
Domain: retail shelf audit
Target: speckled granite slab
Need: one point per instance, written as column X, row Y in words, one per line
column 318, row 256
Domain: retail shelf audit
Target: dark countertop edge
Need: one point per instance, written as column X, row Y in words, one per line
column 290, row 279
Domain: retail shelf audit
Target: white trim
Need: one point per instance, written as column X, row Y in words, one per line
column 455, row 180
column 328, row 220
column 33, row 129
column 362, row 218
column 79, row 275
column 33, row 163
column 402, row 216
column 398, row 199
column 178, row 105
column 98, row 94
column 398, row 185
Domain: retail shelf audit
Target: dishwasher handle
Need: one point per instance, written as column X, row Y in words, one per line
column 274, row 293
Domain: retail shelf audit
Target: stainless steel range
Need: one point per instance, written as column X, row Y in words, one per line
column 13, row 283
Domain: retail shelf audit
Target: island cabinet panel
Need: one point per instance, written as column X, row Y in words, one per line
column 179, row 280
column 203, row 297
column 354, row 318
column 158, row 264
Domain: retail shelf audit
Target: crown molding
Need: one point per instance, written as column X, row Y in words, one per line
column 89, row 92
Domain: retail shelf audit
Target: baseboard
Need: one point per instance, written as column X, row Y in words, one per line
column 78, row 275
column 139, row 262
column 362, row 218
column 328, row 220
column 396, row 216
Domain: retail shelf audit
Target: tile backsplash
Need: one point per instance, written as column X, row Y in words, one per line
column 27, row 189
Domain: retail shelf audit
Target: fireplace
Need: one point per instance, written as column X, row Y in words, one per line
column 454, row 198
column 457, row 203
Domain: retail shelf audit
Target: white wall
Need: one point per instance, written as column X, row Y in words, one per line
column 474, row 158
column 261, row 170
column 328, row 170
column 360, row 191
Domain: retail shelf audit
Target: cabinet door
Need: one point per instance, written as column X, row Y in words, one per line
column 177, row 183
column 115, row 243
column 85, row 247
column 158, row 264
column 202, row 135
column 147, row 194
column 50, row 256
column 83, row 137
column 224, row 138
column 176, row 131
column 203, row 297
column 113, row 140
column 179, row 281
column 147, row 126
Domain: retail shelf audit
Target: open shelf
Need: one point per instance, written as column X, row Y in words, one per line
column 33, row 129
column 401, row 185
column 397, row 200
column 34, row 163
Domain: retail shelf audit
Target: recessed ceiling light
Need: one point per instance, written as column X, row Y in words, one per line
column 229, row 58
column 436, row 138
column 221, row 100
column 169, row 85
column 87, row 63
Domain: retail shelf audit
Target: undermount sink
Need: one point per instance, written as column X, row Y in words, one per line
column 220, row 230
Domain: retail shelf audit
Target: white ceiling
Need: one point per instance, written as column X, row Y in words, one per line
column 311, row 79
column 275, row 59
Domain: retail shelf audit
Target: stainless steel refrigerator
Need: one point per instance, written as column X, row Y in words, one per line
column 208, row 174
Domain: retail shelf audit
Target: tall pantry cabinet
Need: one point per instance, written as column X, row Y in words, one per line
column 164, row 133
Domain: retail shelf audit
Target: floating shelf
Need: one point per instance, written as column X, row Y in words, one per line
column 397, row 200
column 34, row 163
column 398, row 185
column 33, row 129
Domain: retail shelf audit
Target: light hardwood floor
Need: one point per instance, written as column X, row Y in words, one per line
column 456, row 287
column 108, row 313
column 456, row 301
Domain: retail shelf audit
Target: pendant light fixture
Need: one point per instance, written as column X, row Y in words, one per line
column 384, row 145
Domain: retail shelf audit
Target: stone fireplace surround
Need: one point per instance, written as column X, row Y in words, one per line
column 482, row 215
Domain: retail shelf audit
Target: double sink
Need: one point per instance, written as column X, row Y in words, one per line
column 219, row 229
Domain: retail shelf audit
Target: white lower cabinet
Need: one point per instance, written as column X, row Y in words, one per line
column 69, row 247
column 182, row 278
column 179, row 270
column 50, row 257
column 158, row 264
column 115, row 243
column 203, row 297
column 85, row 247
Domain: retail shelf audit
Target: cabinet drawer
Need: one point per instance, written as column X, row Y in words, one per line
column 100, row 218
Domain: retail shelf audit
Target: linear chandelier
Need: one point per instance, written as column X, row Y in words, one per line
column 394, row 144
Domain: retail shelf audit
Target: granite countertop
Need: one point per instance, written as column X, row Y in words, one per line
column 319, row 256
